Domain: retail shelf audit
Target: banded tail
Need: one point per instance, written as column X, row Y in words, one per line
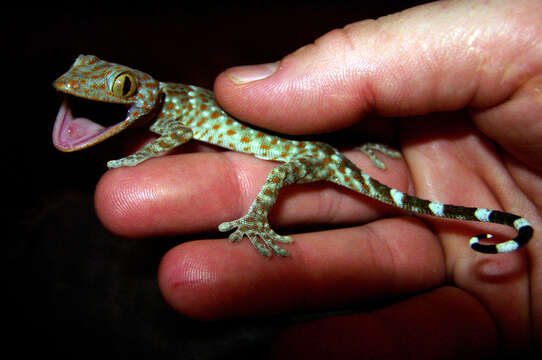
column 374, row 189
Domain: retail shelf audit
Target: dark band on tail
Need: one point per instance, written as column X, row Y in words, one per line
column 524, row 229
column 421, row 206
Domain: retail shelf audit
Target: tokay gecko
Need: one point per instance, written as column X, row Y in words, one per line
column 179, row 113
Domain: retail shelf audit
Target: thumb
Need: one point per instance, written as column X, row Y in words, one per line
column 436, row 57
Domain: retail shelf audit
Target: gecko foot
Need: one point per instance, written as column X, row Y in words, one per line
column 369, row 148
column 257, row 231
column 131, row 160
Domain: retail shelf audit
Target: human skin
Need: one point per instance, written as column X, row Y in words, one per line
column 459, row 84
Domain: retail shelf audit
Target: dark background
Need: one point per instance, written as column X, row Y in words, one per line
column 75, row 289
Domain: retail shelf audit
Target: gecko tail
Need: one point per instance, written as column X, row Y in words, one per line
column 522, row 226
column 420, row 206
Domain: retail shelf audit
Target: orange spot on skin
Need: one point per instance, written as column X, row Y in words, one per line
column 330, row 172
column 276, row 180
column 264, row 147
column 201, row 122
column 245, row 139
column 214, row 115
column 73, row 84
column 203, row 107
column 216, row 126
column 230, row 132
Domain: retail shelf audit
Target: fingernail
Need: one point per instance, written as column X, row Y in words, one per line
column 249, row 73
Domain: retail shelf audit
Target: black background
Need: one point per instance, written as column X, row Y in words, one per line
column 75, row 289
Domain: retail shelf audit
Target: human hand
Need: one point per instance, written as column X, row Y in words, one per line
column 439, row 298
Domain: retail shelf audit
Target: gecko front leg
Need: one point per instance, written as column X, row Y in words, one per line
column 174, row 136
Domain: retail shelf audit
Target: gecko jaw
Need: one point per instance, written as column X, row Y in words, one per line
column 75, row 133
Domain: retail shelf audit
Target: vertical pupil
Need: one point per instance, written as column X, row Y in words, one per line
column 126, row 85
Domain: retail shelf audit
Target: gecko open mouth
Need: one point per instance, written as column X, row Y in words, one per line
column 73, row 133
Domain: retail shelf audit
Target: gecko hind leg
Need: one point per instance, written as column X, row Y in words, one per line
column 254, row 225
column 369, row 149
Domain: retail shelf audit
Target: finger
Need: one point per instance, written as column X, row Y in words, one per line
column 446, row 324
column 482, row 180
column 190, row 193
column 214, row 279
column 396, row 66
column 515, row 124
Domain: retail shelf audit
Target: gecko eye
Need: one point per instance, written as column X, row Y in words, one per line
column 124, row 85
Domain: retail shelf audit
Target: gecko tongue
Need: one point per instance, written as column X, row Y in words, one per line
column 69, row 133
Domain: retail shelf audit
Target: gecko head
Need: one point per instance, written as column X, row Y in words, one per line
column 95, row 80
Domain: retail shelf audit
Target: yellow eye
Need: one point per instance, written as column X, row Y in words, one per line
column 124, row 85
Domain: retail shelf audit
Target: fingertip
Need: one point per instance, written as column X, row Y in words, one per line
column 214, row 279
column 185, row 278
column 240, row 75
column 165, row 196
column 305, row 92
column 115, row 199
